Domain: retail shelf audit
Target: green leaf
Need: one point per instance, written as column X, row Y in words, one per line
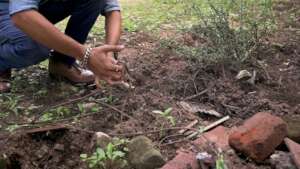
column 80, row 107
column 117, row 155
column 95, row 109
column 172, row 120
column 100, row 153
column 157, row 112
column 168, row 111
column 109, row 151
column 83, row 156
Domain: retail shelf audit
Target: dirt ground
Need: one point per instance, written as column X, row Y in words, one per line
column 161, row 80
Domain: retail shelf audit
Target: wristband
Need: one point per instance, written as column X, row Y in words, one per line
column 87, row 54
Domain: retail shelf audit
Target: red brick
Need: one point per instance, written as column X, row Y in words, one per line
column 184, row 160
column 219, row 136
column 187, row 160
column 295, row 151
column 258, row 137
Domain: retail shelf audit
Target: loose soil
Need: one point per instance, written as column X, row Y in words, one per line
column 161, row 80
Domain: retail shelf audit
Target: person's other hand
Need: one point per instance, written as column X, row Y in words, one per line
column 103, row 64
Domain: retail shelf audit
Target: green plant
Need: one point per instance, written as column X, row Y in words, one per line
column 231, row 30
column 113, row 156
column 11, row 103
column 166, row 115
column 81, row 108
column 220, row 162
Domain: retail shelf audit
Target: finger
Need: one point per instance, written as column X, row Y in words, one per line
column 98, row 82
column 116, row 76
column 112, row 48
column 111, row 82
column 115, row 68
column 113, row 60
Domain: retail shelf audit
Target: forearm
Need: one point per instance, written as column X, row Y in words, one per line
column 113, row 27
column 44, row 32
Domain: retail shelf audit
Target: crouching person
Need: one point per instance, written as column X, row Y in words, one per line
column 28, row 36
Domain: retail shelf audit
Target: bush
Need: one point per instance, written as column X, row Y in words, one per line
column 232, row 30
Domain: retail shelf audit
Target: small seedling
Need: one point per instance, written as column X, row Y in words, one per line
column 166, row 115
column 220, row 162
column 113, row 156
column 81, row 108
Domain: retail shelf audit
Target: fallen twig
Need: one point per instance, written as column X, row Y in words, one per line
column 152, row 131
column 196, row 95
column 167, row 137
column 213, row 125
column 190, row 125
column 117, row 110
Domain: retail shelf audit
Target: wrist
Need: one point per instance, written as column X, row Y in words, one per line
column 81, row 52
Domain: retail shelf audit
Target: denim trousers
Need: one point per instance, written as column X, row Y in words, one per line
column 17, row 50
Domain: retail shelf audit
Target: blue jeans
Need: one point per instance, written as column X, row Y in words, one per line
column 17, row 50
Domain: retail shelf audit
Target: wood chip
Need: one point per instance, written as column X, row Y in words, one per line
column 197, row 109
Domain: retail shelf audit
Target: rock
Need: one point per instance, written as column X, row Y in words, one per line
column 88, row 106
column 183, row 160
column 293, row 127
column 44, row 150
column 59, row 147
column 243, row 75
column 101, row 140
column 258, row 137
column 205, row 160
column 282, row 160
column 295, row 151
column 142, row 154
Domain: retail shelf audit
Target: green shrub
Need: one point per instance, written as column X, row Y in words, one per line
column 232, row 30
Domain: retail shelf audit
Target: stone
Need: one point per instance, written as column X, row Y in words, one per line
column 282, row 160
column 59, row 147
column 293, row 127
column 44, row 150
column 243, row 75
column 295, row 150
column 142, row 154
column 183, row 160
column 205, row 160
column 258, row 137
column 101, row 140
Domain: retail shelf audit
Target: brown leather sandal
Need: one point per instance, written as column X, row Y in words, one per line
column 5, row 81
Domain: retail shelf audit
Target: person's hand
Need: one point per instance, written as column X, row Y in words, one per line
column 103, row 64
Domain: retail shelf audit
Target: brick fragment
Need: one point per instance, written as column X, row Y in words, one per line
column 183, row 160
column 295, row 150
column 187, row 160
column 258, row 137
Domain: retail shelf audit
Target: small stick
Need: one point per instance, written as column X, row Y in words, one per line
column 192, row 124
column 196, row 95
column 167, row 137
column 153, row 131
column 213, row 125
column 117, row 110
